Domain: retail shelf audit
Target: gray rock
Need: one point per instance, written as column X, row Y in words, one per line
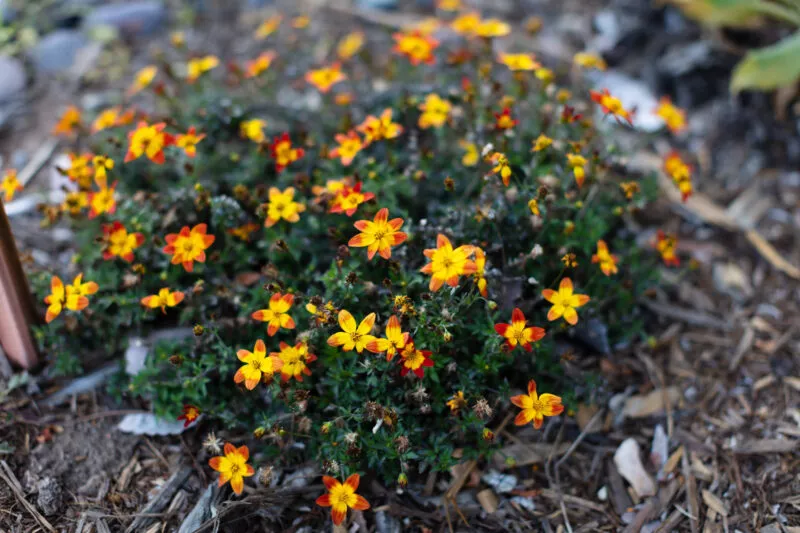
column 594, row 334
column 132, row 18
column 50, row 496
column 384, row 5
column 12, row 78
column 57, row 50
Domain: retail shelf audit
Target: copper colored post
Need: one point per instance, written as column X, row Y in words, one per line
column 16, row 305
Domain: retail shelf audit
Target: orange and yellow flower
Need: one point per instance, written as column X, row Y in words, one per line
column 416, row 47
column 165, row 298
column 349, row 145
column 607, row 261
column 611, row 105
column 379, row 235
column 258, row 366
column 535, row 407
column 188, row 141
column 283, row 152
column 233, row 466
column 342, row 496
column 348, row 199
column 72, row 297
column 589, row 60
column 103, row 201
column 435, row 111
column 447, row 264
column 480, row 272
column 353, row 336
column 519, row 62
column 326, row 77
column 244, row 231
column 491, row 28
column 190, row 414
column 268, row 27
column 673, row 116
column 471, row 155
column 295, row 361
column 466, row 23
column 564, row 302
column 120, row 243
column 106, row 119
column 75, row 202
column 503, row 121
column 281, row 206
column 10, row 185
column 143, row 79
column 350, row 45
column 253, row 129
column 414, row 360
column 277, row 315
column 80, row 170
column 259, row 65
column 457, row 402
column 448, row 5
column 189, row 246
column 69, row 122
column 542, row 142
column 518, row 332
column 198, row 66
column 680, row 172
column 149, row 140
column 666, row 244
column 102, row 164
column 578, row 165
column 394, row 341
column 379, row 128
column 501, row 167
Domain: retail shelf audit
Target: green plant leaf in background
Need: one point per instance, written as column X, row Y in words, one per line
column 769, row 68
column 733, row 13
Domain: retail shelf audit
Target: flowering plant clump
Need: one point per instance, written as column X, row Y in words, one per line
column 380, row 279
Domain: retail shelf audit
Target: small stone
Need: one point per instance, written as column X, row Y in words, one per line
column 57, row 50
column 131, row 18
column 12, row 78
column 50, row 497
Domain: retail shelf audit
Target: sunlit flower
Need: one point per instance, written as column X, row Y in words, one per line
column 283, row 152
column 504, row 121
column 490, row 28
column 72, row 297
column 564, row 302
column 244, row 231
column 666, row 245
column 348, row 199
column 519, row 62
column 501, row 167
column 533, row 205
column 518, row 332
column 295, row 360
column 102, row 164
column 680, row 172
column 322, row 314
column 608, row 261
column 75, row 202
column 253, row 129
column 448, row 5
column 188, row 246
column 672, row 115
column 10, row 185
column 106, row 119
column 350, row 45
column 394, row 341
column 165, row 298
column 198, row 66
column 353, row 335
column 69, row 122
column 578, row 165
column 467, row 23
column 326, row 77
column 629, row 188
column 259, row 65
column 150, row 140
column 342, row 496
column 435, row 111
column 611, row 105
column 143, row 79
column 416, row 47
column 103, row 201
column 414, row 360
column 301, row 21
column 379, row 235
column 257, row 366
column 570, row 260
column 80, row 170
column 545, row 75
column 277, row 316
column 268, row 27
column 589, row 60
column 447, row 264
column 379, row 128
column 541, row 143
column 233, row 466
column 535, row 407
column 188, row 141
column 471, row 155
column 457, row 402
column 349, row 145
column 480, row 271
column 190, row 414
column 120, row 243
column 281, row 206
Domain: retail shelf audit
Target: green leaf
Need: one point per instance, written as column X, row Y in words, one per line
column 768, row 68
column 735, row 13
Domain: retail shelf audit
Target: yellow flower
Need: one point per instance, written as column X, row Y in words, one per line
column 611, row 105
column 545, row 75
column 277, row 316
column 72, row 297
column 589, row 60
column 257, row 366
column 492, row 28
column 295, row 360
column 608, row 261
column 10, row 185
column 143, row 79
column 447, row 264
column 480, row 271
column 325, row 78
column 301, row 21
column 673, row 116
column 394, row 341
column 448, row 5
column 353, row 335
column 119, row 242
column 541, row 142
column 519, row 62
column 268, row 27
column 103, row 201
column 69, row 121
column 189, row 246
column 501, row 167
column 577, row 163
column 75, row 202
column 165, row 298
column 350, row 45
column 253, row 129
column 564, row 302
column 233, row 466
column 379, row 235
column 349, row 146
column 435, row 111
column 535, row 407
column 416, row 46
column 106, row 119
column 467, row 23
column 102, row 164
column 457, row 402
column 281, row 206
column 379, row 128
column 198, row 66
column 471, row 155
column 188, row 141
column 533, row 205
column 259, row 65
column 342, row 496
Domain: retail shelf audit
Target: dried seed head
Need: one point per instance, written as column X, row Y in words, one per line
column 402, row 444
column 212, row 444
column 482, row 409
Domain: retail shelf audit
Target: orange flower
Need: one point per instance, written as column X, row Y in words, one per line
column 295, row 361
column 165, row 298
column 244, row 231
column 611, row 105
column 283, row 153
column 673, row 116
column 447, row 264
column 10, row 185
column 517, row 333
column 578, row 163
column 106, row 119
column 187, row 246
column 394, row 341
column 325, row 78
column 348, row 199
column 120, row 243
column 480, row 272
column 666, row 245
column 680, row 172
column 519, row 62
column 277, row 316
column 379, row 235
column 259, row 65
column 608, row 262
column 189, row 415
column 103, row 201
column 149, row 140
column 257, row 366
column 413, row 360
column 503, row 121
column 501, row 167
column 448, row 5
column 457, row 402
column 353, row 336
column 564, row 302
column 69, row 122
column 268, row 27
column 535, row 407
column 541, row 143
column 379, row 128
column 342, row 496
column 72, row 297
column 350, row 45
column 233, row 466
column 143, row 79
column 349, row 145
column 416, row 47
column 188, row 141
column 200, row 65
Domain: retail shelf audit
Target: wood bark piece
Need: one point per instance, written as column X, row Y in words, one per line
column 7, row 475
column 161, row 500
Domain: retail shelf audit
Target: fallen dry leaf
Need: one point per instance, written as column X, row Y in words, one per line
column 714, row 503
column 641, row 406
column 488, row 500
column 629, row 464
